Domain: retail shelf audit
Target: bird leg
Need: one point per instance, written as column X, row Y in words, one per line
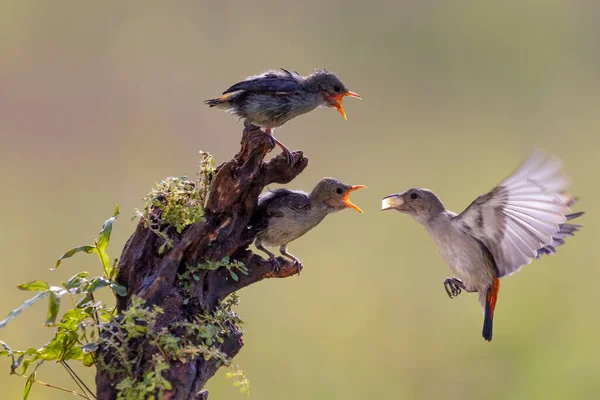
column 284, row 252
column 274, row 260
column 454, row 287
column 286, row 151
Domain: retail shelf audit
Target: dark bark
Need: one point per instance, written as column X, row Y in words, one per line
column 152, row 276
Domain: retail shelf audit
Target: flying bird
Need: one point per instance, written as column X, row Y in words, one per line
column 274, row 97
column 521, row 219
column 283, row 215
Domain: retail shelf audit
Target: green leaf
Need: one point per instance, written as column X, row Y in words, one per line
column 76, row 280
column 34, row 285
column 88, row 360
column 7, row 352
column 162, row 247
column 114, row 269
column 27, row 303
column 119, row 289
column 72, row 252
column 17, row 363
column 102, row 243
column 167, row 385
column 28, row 385
column 84, row 302
column 53, row 307
column 64, row 346
column 104, row 235
column 73, row 319
column 234, row 276
column 97, row 283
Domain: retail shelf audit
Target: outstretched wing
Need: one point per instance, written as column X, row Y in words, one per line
column 559, row 237
column 279, row 81
column 525, row 215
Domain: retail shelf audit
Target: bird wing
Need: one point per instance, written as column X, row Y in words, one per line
column 525, row 215
column 279, row 81
column 275, row 203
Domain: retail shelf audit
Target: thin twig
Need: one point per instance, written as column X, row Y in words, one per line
column 77, row 379
column 56, row 387
column 74, row 379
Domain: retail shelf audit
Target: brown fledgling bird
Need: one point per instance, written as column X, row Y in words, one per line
column 274, row 97
column 283, row 215
column 519, row 220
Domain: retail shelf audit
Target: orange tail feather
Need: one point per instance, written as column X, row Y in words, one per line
column 218, row 101
column 490, row 306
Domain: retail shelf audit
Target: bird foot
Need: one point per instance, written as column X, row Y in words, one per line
column 453, row 286
column 276, row 264
column 299, row 265
column 289, row 157
column 274, row 142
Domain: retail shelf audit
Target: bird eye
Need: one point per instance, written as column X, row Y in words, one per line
column 339, row 190
column 337, row 88
column 414, row 196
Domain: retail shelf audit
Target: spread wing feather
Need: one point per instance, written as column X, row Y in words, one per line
column 525, row 216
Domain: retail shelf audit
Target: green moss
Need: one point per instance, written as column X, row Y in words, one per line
column 187, row 280
column 175, row 203
column 182, row 341
column 241, row 381
column 151, row 386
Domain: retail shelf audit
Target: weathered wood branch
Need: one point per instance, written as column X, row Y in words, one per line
column 153, row 277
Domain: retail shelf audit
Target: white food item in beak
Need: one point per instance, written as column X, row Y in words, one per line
column 392, row 201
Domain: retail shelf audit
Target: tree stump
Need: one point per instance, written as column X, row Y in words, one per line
column 225, row 232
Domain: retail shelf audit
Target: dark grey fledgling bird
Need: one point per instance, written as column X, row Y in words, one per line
column 283, row 215
column 274, row 97
column 519, row 220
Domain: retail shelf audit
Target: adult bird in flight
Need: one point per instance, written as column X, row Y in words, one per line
column 521, row 219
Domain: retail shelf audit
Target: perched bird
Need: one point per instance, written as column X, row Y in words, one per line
column 522, row 218
column 274, row 97
column 283, row 215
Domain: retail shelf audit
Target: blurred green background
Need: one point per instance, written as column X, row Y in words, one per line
column 98, row 100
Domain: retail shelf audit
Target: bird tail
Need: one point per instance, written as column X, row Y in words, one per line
column 219, row 101
column 490, row 304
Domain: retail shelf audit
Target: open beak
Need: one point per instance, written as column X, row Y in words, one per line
column 346, row 198
column 336, row 101
column 392, row 202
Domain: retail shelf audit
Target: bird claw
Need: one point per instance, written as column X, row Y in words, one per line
column 276, row 264
column 289, row 157
column 453, row 286
column 299, row 265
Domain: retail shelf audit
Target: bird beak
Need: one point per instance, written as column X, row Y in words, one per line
column 336, row 101
column 392, row 202
column 346, row 198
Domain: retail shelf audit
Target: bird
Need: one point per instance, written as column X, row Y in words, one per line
column 521, row 219
column 283, row 215
column 274, row 97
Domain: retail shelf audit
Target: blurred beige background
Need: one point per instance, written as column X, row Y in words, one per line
column 98, row 100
